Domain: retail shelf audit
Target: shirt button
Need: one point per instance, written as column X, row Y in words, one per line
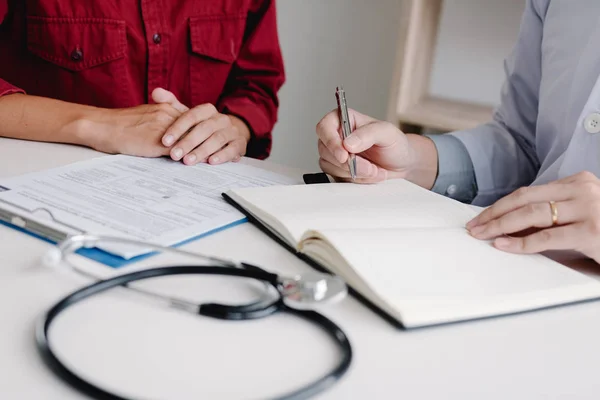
column 451, row 190
column 592, row 123
column 156, row 38
column 77, row 54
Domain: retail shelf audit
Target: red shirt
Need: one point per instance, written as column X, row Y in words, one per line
column 112, row 54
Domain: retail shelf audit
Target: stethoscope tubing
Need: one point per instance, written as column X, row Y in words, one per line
column 220, row 311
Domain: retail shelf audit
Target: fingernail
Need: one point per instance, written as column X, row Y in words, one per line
column 168, row 140
column 471, row 224
column 340, row 155
column 366, row 171
column 502, row 243
column 177, row 153
column 190, row 158
column 353, row 141
column 373, row 171
column 478, row 230
column 215, row 160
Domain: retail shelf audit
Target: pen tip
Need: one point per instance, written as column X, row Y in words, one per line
column 339, row 89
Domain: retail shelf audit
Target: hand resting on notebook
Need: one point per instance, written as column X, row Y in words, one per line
column 577, row 225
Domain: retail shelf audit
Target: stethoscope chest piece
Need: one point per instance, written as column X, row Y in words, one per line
column 310, row 289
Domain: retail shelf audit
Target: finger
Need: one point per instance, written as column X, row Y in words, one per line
column 520, row 198
column 326, row 154
column 187, row 121
column 364, row 167
column 380, row 134
column 214, row 143
column 366, row 171
column 584, row 176
column 333, row 169
column 329, row 131
column 232, row 152
column 560, row 238
column 533, row 215
column 165, row 113
column 160, row 95
column 200, row 133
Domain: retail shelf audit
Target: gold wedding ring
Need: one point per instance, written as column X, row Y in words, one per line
column 554, row 211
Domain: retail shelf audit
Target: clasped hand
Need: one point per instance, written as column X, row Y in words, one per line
column 169, row 128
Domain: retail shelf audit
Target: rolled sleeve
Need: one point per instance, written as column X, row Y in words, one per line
column 7, row 88
column 456, row 175
column 3, row 10
column 251, row 92
column 503, row 151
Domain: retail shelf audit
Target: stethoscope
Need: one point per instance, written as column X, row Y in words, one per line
column 292, row 295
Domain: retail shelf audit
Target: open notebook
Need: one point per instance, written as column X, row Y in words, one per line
column 405, row 250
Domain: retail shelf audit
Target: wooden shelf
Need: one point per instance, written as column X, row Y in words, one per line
column 410, row 101
column 445, row 114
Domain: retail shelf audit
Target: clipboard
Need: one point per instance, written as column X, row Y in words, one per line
column 49, row 234
column 150, row 198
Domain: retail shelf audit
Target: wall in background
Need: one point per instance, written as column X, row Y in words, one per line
column 352, row 43
column 474, row 38
column 327, row 43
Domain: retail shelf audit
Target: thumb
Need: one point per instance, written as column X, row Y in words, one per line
column 372, row 134
column 160, row 95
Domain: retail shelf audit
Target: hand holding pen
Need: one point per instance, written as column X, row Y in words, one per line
column 354, row 147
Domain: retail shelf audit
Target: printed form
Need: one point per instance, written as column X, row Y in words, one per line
column 154, row 200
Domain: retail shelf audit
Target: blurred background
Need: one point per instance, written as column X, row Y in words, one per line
column 361, row 44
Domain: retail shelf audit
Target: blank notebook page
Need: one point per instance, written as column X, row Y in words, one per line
column 394, row 204
column 441, row 275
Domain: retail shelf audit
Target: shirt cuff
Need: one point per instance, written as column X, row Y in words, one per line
column 456, row 175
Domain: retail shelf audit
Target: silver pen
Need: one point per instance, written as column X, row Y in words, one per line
column 345, row 124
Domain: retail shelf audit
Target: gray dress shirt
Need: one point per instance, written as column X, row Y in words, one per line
column 547, row 125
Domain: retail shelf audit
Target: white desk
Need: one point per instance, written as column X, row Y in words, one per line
column 145, row 350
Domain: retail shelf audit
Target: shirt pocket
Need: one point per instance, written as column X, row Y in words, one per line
column 215, row 44
column 85, row 58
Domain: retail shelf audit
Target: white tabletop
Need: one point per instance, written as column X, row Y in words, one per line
column 146, row 351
